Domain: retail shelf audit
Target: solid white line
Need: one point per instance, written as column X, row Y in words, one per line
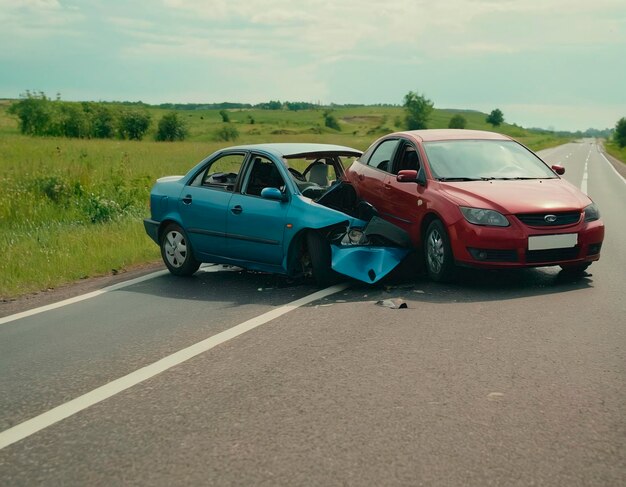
column 77, row 299
column 612, row 167
column 31, row 426
column 93, row 294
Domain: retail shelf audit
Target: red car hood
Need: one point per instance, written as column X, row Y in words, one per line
column 536, row 195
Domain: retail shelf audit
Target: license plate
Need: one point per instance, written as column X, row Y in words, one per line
column 545, row 242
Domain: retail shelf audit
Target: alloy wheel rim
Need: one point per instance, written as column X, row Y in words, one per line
column 435, row 251
column 175, row 249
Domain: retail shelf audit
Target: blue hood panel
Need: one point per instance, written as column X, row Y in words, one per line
column 367, row 264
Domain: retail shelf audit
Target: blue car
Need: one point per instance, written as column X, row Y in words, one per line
column 279, row 208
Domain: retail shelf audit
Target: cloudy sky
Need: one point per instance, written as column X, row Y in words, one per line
column 547, row 63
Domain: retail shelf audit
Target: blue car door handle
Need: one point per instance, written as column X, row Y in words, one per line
column 187, row 199
column 236, row 209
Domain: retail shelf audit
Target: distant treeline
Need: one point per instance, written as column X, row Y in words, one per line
column 40, row 115
column 270, row 105
column 595, row 133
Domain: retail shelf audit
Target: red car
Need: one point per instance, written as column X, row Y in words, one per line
column 478, row 199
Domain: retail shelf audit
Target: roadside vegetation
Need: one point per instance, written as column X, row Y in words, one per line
column 72, row 204
column 616, row 146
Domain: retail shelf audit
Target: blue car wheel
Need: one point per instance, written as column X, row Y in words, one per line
column 320, row 257
column 177, row 252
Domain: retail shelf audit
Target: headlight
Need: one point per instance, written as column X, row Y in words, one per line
column 592, row 213
column 479, row 216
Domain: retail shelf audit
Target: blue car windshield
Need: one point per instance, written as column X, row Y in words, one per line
column 470, row 160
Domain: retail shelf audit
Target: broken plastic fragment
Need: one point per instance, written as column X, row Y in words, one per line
column 397, row 303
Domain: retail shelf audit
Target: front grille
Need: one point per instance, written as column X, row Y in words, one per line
column 493, row 255
column 552, row 255
column 538, row 219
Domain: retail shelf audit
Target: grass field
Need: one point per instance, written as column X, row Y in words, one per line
column 73, row 208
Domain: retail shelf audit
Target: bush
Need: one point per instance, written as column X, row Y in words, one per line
column 225, row 116
column 330, row 121
column 457, row 122
column 133, row 124
column 171, row 127
column 227, row 132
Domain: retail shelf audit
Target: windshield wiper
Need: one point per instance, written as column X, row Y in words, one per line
column 458, row 179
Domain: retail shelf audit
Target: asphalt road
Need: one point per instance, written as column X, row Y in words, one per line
column 503, row 378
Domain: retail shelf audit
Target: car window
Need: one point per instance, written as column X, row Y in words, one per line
column 406, row 158
column 221, row 173
column 263, row 174
column 381, row 157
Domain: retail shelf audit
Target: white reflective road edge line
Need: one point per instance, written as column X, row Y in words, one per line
column 31, row 426
column 612, row 167
column 80, row 298
column 93, row 294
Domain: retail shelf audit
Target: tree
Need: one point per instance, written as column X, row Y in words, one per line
column 418, row 110
column 620, row 132
column 495, row 118
column 457, row 122
column 133, row 124
column 225, row 117
column 34, row 112
column 171, row 127
column 102, row 120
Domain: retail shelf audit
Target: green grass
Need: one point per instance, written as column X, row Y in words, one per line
column 617, row 152
column 73, row 208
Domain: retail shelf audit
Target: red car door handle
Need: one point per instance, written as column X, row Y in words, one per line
column 361, row 177
column 236, row 209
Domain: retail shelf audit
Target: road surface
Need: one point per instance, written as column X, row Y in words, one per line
column 503, row 378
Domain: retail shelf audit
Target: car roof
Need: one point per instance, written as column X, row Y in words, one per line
column 293, row 150
column 452, row 134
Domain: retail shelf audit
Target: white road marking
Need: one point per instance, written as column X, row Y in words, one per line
column 583, row 184
column 99, row 292
column 612, row 167
column 38, row 423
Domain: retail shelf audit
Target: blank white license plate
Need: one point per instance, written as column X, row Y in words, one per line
column 544, row 242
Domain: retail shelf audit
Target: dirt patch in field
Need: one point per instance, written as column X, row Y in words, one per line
column 363, row 119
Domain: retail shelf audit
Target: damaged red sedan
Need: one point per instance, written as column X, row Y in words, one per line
column 478, row 199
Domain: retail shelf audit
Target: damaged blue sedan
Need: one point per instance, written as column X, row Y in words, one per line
column 279, row 208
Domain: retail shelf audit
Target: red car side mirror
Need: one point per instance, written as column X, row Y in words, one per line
column 560, row 170
column 407, row 176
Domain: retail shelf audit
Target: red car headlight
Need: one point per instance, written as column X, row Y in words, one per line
column 480, row 216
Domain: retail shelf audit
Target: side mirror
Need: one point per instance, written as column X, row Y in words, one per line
column 407, row 176
column 272, row 194
column 560, row 170
column 411, row 176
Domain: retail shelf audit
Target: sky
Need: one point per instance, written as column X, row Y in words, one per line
column 557, row 64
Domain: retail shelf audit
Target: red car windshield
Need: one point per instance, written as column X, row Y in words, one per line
column 471, row 160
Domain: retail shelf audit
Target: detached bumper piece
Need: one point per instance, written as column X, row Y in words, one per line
column 367, row 264
column 384, row 246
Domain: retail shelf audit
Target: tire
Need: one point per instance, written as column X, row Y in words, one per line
column 438, row 253
column 320, row 259
column 176, row 251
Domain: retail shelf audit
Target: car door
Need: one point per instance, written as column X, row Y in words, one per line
column 406, row 202
column 203, row 204
column 255, row 225
column 372, row 172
